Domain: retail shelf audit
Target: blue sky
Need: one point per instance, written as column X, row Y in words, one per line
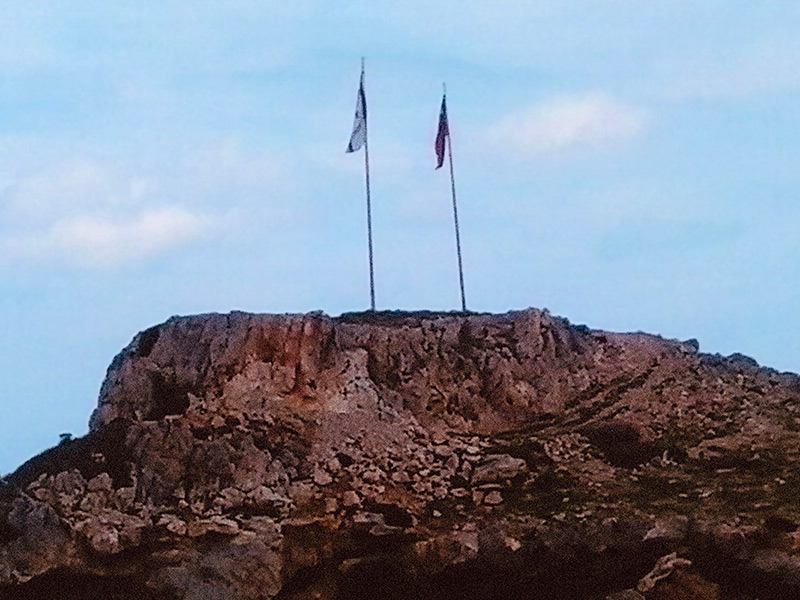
column 628, row 165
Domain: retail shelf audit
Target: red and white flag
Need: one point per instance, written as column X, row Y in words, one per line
column 441, row 134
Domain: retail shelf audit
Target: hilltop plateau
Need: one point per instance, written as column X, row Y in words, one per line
column 397, row 455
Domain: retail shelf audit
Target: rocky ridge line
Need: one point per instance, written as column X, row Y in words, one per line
column 411, row 455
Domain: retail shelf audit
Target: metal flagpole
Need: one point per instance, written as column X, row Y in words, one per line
column 455, row 214
column 369, row 207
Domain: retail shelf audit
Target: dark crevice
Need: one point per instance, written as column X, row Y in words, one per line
column 531, row 574
column 345, row 459
column 736, row 578
column 147, row 340
column 393, row 515
column 62, row 584
column 7, row 532
column 620, row 443
column 168, row 397
column 328, row 349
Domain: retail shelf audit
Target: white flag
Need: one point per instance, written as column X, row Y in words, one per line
column 359, row 136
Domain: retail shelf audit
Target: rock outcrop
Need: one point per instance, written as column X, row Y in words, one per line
column 414, row 455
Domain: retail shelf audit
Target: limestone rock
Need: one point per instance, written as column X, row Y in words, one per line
column 498, row 467
column 215, row 524
column 111, row 532
column 662, row 569
column 673, row 528
column 395, row 455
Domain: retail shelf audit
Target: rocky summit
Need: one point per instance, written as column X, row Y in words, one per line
column 410, row 456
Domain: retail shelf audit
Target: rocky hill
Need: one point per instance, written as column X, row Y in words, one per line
column 410, row 456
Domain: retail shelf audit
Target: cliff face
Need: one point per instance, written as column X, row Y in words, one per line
column 398, row 455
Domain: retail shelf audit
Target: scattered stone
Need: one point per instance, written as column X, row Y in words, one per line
column 101, row 482
column 229, row 499
column 401, row 477
column 498, row 467
column 111, row 532
column 68, row 487
column 264, row 499
column 125, row 497
column 423, row 487
column 673, row 528
column 452, row 464
column 322, row 478
column 441, row 492
column 102, row 537
column 301, row 492
column 216, row 524
column 366, row 518
column 350, row 498
column 439, row 437
column 663, row 568
column 383, row 530
column 93, row 502
column 512, row 544
column 173, row 524
column 493, row 497
column 372, row 476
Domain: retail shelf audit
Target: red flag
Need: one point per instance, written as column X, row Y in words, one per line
column 444, row 131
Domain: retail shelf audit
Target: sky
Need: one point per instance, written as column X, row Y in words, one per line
column 627, row 165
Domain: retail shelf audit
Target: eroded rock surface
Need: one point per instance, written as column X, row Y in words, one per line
column 400, row 455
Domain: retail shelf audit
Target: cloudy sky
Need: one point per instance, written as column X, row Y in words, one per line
column 628, row 165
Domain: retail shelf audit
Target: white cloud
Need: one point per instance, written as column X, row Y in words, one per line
column 98, row 242
column 107, row 212
column 89, row 214
column 568, row 122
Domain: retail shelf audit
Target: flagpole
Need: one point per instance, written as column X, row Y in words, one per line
column 369, row 209
column 455, row 215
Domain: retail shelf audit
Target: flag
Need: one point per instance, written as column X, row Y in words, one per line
column 444, row 131
column 359, row 136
